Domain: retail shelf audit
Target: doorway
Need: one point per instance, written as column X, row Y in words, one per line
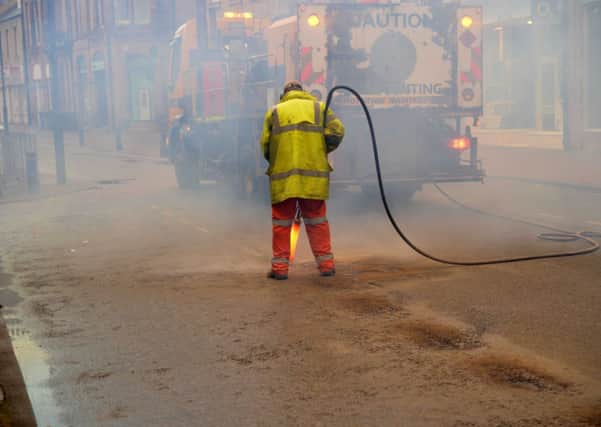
column 99, row 71
column 140, row 87
column 549, row 117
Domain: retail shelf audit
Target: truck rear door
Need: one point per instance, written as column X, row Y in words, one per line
column 402, row 55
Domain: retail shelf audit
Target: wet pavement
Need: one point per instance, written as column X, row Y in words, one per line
column 15, row 406
column 148, row 306
column 31, row 356
column 33, row 361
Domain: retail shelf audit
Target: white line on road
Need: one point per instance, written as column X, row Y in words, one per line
column 179, row 218
column 549, row 215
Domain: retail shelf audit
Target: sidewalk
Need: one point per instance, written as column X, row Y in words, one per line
column 516, row 154
column 519, row 138
column 545, row 166
column 537, row 156
column 136, row 141
column 15, row 406
column 139, row 142
column 48, row 189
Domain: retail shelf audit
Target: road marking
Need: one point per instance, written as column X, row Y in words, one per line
column 549, row 215
column 598, row 223
column 180, row 219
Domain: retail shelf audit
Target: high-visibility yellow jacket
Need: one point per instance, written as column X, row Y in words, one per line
column 295, row 143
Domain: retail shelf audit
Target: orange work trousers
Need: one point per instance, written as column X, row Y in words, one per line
column 316, row 225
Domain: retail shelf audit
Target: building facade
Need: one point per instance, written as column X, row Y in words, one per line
column 522, row 58
column 583, row 66
column 11, row 40
column 541, row 60
column 110, row 59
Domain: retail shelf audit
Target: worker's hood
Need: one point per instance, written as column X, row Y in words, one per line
column 297, row 94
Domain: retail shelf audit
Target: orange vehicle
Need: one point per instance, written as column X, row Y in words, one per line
column 217, row 99
column 183, row 86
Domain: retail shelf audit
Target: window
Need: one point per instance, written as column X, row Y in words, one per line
column 97, row 13
column 123, row 13
column 141, row 11
column 593, row 65
column 82, row 67
column 88, row 15
column 175, row 58
column 16, row 43
column 83, row 17
column 69, row 17
column 7, row 44
column 132, row 11
column 35, row 27
column 62, row 24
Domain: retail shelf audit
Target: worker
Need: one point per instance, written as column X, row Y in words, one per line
column 296, row 142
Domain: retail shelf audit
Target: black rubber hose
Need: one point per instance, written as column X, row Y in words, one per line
column 594, row 246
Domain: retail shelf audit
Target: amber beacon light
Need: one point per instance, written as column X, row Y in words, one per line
column 313, row 21
column 238, row 15
column 467, row 22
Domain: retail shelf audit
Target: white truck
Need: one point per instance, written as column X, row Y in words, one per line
column 419, row 68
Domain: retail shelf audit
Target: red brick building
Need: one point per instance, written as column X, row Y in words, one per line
column 111, row 56
column 12, row 56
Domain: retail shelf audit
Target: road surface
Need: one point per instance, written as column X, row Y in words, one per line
column 135, row 304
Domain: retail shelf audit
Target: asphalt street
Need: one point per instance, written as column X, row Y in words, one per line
column 148, row 306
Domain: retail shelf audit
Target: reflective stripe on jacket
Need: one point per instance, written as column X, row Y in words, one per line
column 296, row 144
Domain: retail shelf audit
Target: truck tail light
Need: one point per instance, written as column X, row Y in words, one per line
column 459, row 144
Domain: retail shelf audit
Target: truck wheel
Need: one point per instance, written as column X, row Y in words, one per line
column 163, row 149
column 253, row 188
column 187, row 174
column 249, row 185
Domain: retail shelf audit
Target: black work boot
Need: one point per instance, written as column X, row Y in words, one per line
column 328, row 273
column 277, row 276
